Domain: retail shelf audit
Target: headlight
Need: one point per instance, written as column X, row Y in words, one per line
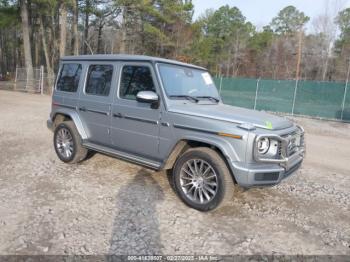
column 263, row 145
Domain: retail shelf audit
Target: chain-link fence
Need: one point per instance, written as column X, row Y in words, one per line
column 329, row 100
column 35, row 80
column 48, row 83
column 28, row 79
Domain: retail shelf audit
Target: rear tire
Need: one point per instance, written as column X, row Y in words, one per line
column 67, row 143
column 202, row 179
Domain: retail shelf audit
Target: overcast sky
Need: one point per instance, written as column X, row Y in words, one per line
column 261, row 12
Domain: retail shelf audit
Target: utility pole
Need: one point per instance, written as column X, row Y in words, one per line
column 297, row 76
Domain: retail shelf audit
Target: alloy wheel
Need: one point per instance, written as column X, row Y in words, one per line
column 64, row 142
column 198, row 181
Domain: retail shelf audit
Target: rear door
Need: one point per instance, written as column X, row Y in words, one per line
column 96, row 99
column 135, row 125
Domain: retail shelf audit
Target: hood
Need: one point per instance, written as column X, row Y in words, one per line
column 232, row 114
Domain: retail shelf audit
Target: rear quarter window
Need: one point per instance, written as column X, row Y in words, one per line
column 69, row 78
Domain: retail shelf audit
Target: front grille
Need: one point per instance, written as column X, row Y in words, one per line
column 295, row 142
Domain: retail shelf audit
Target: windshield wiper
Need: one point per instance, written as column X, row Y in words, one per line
column 191, row 98
column 217, row 100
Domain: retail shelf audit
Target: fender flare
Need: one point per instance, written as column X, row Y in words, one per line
column 75, row 118
column 221, row 144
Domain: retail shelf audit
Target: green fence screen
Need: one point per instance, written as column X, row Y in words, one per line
column 311, row 98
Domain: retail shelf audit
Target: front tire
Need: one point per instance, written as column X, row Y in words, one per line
column 67, row 143
column 202, row 179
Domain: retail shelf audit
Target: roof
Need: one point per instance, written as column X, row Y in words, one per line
column 121, row 57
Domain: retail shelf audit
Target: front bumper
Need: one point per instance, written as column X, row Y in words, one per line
column 265, row 171
column 263, row 174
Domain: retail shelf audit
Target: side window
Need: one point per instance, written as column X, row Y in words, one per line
column 135, row 79
column 99, row 80
column 68, row 80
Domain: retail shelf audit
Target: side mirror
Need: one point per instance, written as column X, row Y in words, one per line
column 147, row 97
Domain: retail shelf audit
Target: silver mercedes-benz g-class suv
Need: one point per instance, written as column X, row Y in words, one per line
column 168, row 115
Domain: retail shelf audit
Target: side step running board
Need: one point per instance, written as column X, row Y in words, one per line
column 125, row 156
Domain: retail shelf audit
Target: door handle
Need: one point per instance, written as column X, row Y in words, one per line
column 119, row 115
column 82, row 108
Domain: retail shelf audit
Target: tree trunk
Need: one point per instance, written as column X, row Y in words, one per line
column 86, row 27
column 75, row 28
column 99, row 38
column 124, row 33
column 51, row 42
column 31, row 31
column 228, row 67
column 235, row 55
column 46, row 54
column 300, row 49
column 19, row 50
column 45, row 49
column 2, row 51
column 63, row 29
column 37, row 50
column 53, row 37
column 325, row 66
column 122, row 43
column 26, row 43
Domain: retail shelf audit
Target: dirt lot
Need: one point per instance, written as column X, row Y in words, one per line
column 105, row 205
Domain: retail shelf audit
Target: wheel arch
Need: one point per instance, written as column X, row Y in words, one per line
column 190, row 142
column 65, row 115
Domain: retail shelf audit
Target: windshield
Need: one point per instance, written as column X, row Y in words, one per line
column 180, row 82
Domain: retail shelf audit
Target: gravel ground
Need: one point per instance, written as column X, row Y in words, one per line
column 106, row 206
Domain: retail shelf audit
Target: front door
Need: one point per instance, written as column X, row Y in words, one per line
column 135, row 125
column 96, row 100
